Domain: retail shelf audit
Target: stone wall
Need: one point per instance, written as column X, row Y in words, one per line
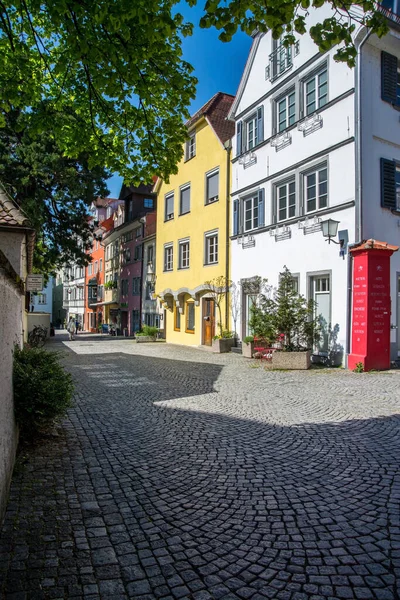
column 11, row 328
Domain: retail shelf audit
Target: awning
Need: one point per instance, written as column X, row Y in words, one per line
column 105, row 303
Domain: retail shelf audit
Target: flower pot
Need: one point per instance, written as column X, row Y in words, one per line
column 247, row 349
column 145, row 338
column 223, row 345
column 291, row 360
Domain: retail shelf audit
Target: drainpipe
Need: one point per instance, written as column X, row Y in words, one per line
column 228, row 148
column 358, row 195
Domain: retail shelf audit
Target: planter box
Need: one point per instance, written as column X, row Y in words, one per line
column 247, row 349
column 291, row 360
column 223, row 345
column 145, row 338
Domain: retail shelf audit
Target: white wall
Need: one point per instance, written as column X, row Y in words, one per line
column 380, row 139
column 47, row 307
column 333, row 143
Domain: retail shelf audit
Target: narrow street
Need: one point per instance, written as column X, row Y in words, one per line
column 181, row 474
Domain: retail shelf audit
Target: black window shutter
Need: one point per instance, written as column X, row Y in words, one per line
column 388, row 183
column 388, row 77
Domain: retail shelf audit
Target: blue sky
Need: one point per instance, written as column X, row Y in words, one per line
column 218, row 66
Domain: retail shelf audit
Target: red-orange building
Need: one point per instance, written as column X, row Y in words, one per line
column 94, row 272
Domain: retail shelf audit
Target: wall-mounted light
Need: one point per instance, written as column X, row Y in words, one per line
column 329, row 230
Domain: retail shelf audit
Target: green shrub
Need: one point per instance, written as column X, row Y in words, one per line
column 248, row 339
column 148, row 331
column 42, row 390
column 359, row 368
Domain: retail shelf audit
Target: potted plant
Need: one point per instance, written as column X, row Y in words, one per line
column 290, row 320
column 248, row 346
column 148, row 334
column 224, row 342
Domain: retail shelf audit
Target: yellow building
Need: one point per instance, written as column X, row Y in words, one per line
column 193, row 231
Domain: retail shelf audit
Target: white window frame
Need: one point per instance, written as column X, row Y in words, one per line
column 287, row 184
column 208, row 176
column 191, row 146
column 314, row 76
column 285, row 98
column 169, row 216
column 42, row 299
column 184, row 253
column 168, row 257
column 211, row 254
column 252, row 120
column 254, row 205
column 90, row 269
column 182, row 189
column 316, row 170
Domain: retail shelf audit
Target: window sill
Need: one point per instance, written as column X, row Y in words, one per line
column 211, row 203
column 168, row 220
column 175, row 329
column 189, row 158
column 185, row 213
column 167, row 270
column 210, row 264
column 183, row 268
column 189, row 331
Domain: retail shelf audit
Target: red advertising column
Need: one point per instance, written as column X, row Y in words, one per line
column 370, row 331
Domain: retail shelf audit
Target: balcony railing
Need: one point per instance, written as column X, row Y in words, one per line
column 281, row 60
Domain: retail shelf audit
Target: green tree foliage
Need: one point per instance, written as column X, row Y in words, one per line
column 287, row 17
column 87, row 88
column 103, row 77
column 286, row 316
column 53, row 190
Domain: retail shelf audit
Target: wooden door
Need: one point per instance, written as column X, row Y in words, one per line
column 208, row 321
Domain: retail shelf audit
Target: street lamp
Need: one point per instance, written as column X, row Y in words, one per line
column 329, row 230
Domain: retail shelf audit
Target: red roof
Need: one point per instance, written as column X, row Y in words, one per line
column 217, row 110
column 10, row 214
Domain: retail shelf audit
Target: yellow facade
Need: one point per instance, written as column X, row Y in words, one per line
column 180, row 286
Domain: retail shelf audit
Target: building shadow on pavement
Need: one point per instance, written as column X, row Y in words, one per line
column 138, row 498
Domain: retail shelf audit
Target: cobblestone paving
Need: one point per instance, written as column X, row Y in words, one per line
column 181, row 474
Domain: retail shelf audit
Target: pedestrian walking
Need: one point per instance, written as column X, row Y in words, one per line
column 71, row 328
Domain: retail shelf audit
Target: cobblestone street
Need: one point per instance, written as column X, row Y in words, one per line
column 182, row 474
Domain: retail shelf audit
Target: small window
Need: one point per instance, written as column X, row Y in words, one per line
column 250, row 213
column 150, row 254
column 169, row 207
column 148, row 203
column 184, row 200
column 96, row 267
column 316, row 189
column 286, row 111
column 100, row 265
column 286, row 200
column 168, row 258
column 124, row 287
column 138, row 232
column 128, row 255
column 149, row 290
column 41, row 298
column 211, row 248
column 252, row 132
column 280, row 59
column 190, row 317
column 177, row 321
column 322, row 284
column 295, row 283
column 90, row 269
column 136, row 286
column 184, row 251
column 316, row 91
column 138, row 253
column 212, row 187
column 191, row 147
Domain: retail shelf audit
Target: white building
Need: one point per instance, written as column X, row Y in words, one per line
column 311, row 134
column 43, row 301
column 74, row 293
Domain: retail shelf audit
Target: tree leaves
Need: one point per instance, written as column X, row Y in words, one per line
column 283, row 17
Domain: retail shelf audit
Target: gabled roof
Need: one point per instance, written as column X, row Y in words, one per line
column 10, row 214
column 216, row 110
column 127, row 190
column 245, row 76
